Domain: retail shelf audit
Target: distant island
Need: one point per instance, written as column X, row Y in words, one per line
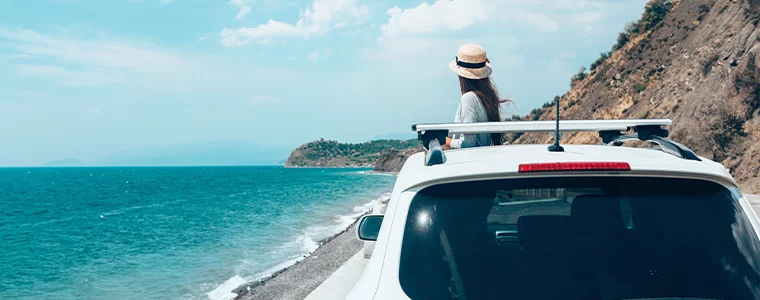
column 382, row 155
column 65, row 163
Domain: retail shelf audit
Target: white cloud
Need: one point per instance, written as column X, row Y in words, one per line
column 320, row 55
column 102, row 53
column 201, row 39
column 588, row 17
column 94, row 110
column 541, row 22
column 441, row 15
column 587, row 20
column 67, row 77
column 316, row 20
column 81, row 62
column 453, row 15
column 18, row 56
column 243, row 8
column 265, row 99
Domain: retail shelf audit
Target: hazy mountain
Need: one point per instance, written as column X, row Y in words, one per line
column 220, row 153
column 66, row 162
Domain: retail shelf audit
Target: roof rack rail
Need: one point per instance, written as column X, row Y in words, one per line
column 611, row 132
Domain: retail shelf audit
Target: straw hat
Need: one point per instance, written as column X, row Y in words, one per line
column 471, row 62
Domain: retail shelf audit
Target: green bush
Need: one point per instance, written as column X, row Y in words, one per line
column 704, row 8
column 754, row 9
column 621, row 41
column 551, row 103
column 654, row 12
column 640, row 87
column 599, row 61
column 579, row 76
column 633, row 28
column 749, row 80
column 726, row 129
column 723, row 9
column 708, row 64
column 536, row 112
column 515, row 117
column 515, row 136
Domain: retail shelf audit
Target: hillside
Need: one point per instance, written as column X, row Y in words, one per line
column 325, row 153
column 693, row 61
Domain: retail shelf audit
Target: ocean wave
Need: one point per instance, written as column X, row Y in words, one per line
column 377, row 173
column 307, row 242
column 120, row 211
column 224, row 290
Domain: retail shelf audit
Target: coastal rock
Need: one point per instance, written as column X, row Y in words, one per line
column 391, row 161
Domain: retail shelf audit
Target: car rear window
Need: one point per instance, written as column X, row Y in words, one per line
column 579, row 238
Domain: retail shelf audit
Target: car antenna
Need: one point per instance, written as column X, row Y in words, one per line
column 556, row 147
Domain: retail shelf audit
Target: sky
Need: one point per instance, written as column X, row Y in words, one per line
column 89, row 78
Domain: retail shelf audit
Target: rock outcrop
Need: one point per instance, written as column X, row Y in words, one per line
column 392, row 160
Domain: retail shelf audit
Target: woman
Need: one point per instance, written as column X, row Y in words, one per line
column 480, row 100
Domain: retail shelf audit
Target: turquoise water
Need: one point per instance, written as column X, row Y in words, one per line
column 166, row 233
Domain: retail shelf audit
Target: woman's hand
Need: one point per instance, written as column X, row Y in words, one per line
column 447, row 146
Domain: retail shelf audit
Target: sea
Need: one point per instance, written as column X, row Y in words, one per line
column 167, row 232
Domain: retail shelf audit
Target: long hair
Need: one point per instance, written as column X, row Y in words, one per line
column 489, row 97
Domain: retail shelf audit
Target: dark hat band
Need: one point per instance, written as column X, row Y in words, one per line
column 470, row 65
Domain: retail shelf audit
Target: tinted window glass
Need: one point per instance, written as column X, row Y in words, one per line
column 579, row 238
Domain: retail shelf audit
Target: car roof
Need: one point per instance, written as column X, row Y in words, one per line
column 501, row 161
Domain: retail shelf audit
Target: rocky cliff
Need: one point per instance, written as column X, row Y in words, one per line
column 392, row 160
column 695, row 62
column 325, row 153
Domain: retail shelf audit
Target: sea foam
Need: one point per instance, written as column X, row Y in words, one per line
column 308, row 242
column 224, row 290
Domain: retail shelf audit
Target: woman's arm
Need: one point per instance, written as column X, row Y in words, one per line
column 447, row 146
column 467, row 114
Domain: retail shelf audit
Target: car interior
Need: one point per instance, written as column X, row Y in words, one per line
column 582, row 244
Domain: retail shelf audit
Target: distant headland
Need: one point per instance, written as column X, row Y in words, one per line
column 381, row 155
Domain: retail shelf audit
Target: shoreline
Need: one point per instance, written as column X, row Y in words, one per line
column 327, row 167
column 372, row 172
column 301, row 278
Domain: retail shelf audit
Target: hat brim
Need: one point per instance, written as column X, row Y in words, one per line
column 480, row 73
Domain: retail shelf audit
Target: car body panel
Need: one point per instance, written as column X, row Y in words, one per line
column 381, row 278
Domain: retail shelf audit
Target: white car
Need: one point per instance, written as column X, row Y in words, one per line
column 589, row 222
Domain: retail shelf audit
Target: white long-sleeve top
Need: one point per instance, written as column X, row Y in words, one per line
column 470, row 110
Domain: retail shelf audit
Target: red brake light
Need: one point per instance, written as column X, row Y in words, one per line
column 575, row 166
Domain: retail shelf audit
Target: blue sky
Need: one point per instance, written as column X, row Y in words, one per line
column 88, row 78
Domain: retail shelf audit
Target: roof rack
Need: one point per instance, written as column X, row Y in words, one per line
column 611, row 132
